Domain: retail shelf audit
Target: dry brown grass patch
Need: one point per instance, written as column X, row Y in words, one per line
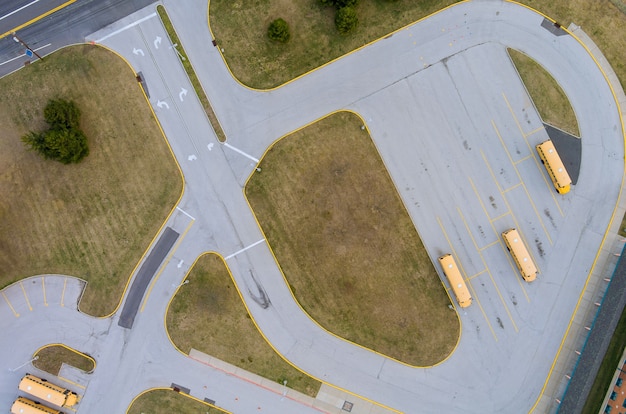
column 208, row 315
column 347, row 245
column 50, row 359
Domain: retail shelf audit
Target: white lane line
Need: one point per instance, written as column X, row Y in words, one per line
column 20, row 9
column 22, row 55
column 241, row 152
column 126, row 27
column 184, row 212
column 244, row 249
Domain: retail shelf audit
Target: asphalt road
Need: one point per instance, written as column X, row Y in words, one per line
column 66, row 26
column 456, row 131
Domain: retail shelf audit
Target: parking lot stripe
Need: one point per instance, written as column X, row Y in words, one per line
column 493, row 176
column 506, row 308
column 63, row 292
column 531, row 149
column 489, row 245
column 534, row 131
column 72, row 382
column 522, row 181
column 26, row 297
column 17, row 315
column 474, row 296
column 493, row 227
column 43, row 287
column 476, row 275
column 523, row 159
column 511, row 188
column 500, row 217
column 519, row 126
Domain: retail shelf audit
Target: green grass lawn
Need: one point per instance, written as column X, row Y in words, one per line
column 167, row 401
column 346, row 244
column 240, row 28
column 548, row 97
column 95, row 219
column 208, row 314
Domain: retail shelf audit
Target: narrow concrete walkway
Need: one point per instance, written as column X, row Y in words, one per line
column 329, row 399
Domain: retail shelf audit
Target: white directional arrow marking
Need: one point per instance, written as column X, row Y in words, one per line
column 192, row 157
column 138, row 51
column 157, row 42
column 180, row 264
column 162, row 104
column 210, row 146
column 183, row 92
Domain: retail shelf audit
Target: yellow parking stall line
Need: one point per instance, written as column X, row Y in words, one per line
column 26, row 297
column 500, row 216
column 17, row 315
column 63, row 293
column 165, row 262
column 513, row 114
column 511, row 188
column 480, row 201
column 476, row 275
column 73, row 383
column 497, row 234
column 493, row 176
column 506, row 308
column 534, row 131
column 522, row 181
column 474, row 296
column 489, row 245
column 522, row 159
column 43, row 287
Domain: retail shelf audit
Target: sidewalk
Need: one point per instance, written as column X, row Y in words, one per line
column 329, row 399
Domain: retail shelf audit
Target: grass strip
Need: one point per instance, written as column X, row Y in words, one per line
column 347, row 245
column 50, row 359
column 166, row 401
column 95, row 219
column 178, row 46
column 207, row 314
column 610, row 362
column 549, row 99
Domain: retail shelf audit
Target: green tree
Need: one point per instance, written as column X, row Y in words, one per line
column 35, row 141
column 60, row 113
column 63, row 141
column 278, row 30
column 66, row 145
column 346, row 20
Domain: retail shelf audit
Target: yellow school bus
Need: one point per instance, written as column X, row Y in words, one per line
column 48, row 392
column 556, row 170
column 455, row 278
column 25, row 406
column 519, row 252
